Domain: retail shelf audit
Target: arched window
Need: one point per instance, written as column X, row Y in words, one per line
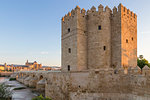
column 132, row 38
column 68, row 30
column 104, row 48
column 68, row 67
column 99, row 27
column 126, row 40
column 69, row 50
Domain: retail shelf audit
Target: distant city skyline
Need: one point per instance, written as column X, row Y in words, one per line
column 31, row 29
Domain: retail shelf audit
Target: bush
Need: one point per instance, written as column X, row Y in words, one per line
column 142, row 62
column 5, row 93
column 41, row 98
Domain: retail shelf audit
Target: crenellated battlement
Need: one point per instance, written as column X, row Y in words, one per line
column 101, row 9
column 73, row 13
column 126, row 11
column 82, row 11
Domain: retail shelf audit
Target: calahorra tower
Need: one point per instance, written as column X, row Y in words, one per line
column 102, row 38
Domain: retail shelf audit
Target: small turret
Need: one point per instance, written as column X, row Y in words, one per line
column 77, row 8
column 128, row 11
column 135, row 16
column 146, row 68
column 83, row 11
column 62, row 19
column 93, row 9
column 100, row 8
column 115, row 10
column 107, row 9
column 132, row 14
column 89, row 11
column 125, row 9
column 69, row 14
column 72, row 12
column 120, row 7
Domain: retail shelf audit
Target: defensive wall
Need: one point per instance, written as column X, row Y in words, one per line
column 103, row 84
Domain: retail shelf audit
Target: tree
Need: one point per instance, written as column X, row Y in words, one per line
column 141, row 62
column 5, row 93
column 141, row 56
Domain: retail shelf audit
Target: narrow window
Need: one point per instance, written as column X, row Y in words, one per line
column 68, row 67
column 69, row 50
column 99, row 27
column 132, row 38
column 104, row 48
column 68, row 30
column 124, row 9
column 126, row 40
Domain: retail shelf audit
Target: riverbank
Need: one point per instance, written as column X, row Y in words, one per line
column 20, row 91
column 3, row 79
column 6, row 74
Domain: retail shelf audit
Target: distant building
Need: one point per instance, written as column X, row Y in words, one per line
column 20, row 67
column 28, row 66
column 50, row 68
column 2, row 68
column 33, row 65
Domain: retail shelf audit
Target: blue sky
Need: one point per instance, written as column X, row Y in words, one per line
column 31, row 29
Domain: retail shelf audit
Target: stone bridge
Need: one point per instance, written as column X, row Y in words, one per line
column 32, row 79
column 102, row 84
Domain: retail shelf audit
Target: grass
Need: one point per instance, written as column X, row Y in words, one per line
column 41, row 98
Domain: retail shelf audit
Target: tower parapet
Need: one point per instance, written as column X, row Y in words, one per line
column 78, row 10
column 127, row 12
column 122, row 9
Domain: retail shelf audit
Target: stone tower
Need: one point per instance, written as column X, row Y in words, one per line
column 99, row 39
column 74, row 41
column 124, row 37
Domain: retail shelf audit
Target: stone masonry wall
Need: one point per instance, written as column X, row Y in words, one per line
column 128, row 37
column 93, row 85
column 99, row 40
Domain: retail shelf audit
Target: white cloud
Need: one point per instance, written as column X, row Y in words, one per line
column 44, row 52
column 145, row 32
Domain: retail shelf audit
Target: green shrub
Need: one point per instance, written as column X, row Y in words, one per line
column 12, row 79
column 41, row 98
column 5, row 93
column 141, row 62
